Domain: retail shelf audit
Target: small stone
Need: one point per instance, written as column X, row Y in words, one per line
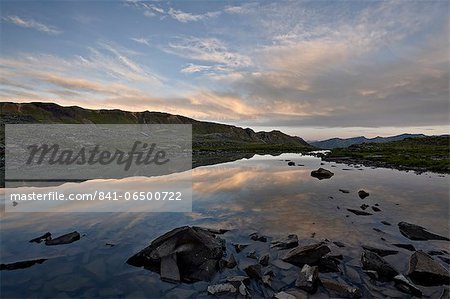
column 364, row 206
column 376, row 209
column 239, row 247
column 359, row 213
column 264, row 260
column 291, row 163
column 344, row 191
column 339, row 244
column 385, row 223
column 252, row 255
column 221, row 288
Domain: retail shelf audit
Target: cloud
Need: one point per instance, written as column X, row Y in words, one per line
column 241, row 9
column 32, row 24
column 141, row 40
column 185, row 17
column 209, row 50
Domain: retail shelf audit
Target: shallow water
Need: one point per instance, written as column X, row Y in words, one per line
column 258, row 194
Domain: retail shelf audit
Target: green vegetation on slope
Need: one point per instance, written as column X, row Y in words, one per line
column 430, row 153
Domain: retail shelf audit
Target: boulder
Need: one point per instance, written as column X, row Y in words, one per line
column 288, row 242
column 186, row 254
column 340, row 289
column 309, row 254
column 404, row 285
column 424, row 270
column 321, row 174
column 64, row 239
column 416, row 232
column 308, row 279
column 363, row 194
column 373, row 262
column 380, row 251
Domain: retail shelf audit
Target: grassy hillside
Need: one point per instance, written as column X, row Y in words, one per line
column 429, row 153
column 207, row 136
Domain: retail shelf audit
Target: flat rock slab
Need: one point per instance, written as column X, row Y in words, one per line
column 416, row 232
column 380, row 251
column 64, row 239
column 340, row 289
column 373, row 262
column 192, row 252
column 424, row 270
column 309, row 254
column 288, row 242
column 21, row 265
column 44, row 237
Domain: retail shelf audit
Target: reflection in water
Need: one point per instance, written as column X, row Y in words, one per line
column 262, row 194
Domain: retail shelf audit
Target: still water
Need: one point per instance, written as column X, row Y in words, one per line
column 259, row 194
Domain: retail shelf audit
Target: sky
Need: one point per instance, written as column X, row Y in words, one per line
column 315, row 69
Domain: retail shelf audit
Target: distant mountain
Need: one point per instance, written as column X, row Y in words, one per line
column 207, row 136
column 346, row 142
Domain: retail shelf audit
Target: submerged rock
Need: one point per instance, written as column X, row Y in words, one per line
column 308, row 279
column 231, row 263
column 344, row 191
column 359, row 213
column 340, row 289
column 376, row 209
column 44, row 237
column 385, row 223
column 252, row 255
column 373, row 262
column 321, row 174
column 363, row 194
column 416, row 232
column 404, row 285
column 64, row 239
column 257, row 237
column 405, row 246
column 424, row 270
column 364, row 206
column 254, row 271
column 21, row 265
column 380, row 251
column 239, row 247
column 309, row 254
column 291, row 163
column 339, row 244
column 288, row 242
column 186, row 254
